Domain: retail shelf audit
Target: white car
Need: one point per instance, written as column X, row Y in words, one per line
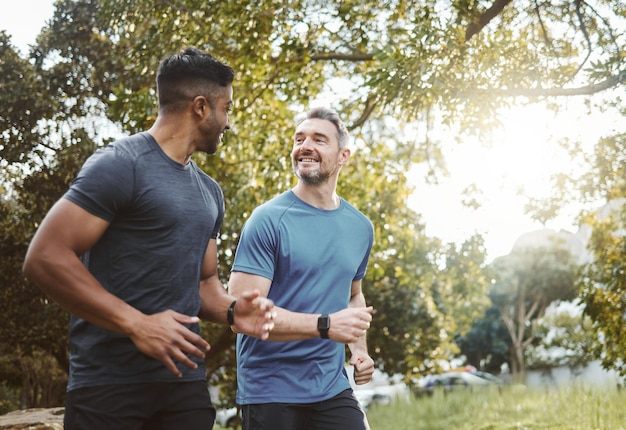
column 382, row 389
column 228, row 418
column 371, row 396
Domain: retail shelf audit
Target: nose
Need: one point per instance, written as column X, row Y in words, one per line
column 306, row 144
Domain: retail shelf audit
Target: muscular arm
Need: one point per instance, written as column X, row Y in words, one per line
column 346, row 325
column 52, row 262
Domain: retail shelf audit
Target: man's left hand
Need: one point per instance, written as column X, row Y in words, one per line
column 363, row 368
column 254, row 315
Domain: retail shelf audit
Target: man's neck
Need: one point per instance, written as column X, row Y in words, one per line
column 173, row 140
column 321, row 196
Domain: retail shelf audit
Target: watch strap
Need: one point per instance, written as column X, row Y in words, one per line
column 323, row 325
column 230, row 313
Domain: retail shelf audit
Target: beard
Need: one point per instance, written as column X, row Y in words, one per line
column 311, row 178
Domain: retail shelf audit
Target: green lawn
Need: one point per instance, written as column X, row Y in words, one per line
column 573, row 408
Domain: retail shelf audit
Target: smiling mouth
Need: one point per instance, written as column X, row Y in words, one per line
column 308, row 160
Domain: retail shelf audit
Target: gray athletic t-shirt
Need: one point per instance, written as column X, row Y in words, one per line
column 162, row 215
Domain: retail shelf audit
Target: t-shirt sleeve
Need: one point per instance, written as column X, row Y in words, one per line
column 219, row 197
column 257, row 248
column 104, row 184
column 363, row 266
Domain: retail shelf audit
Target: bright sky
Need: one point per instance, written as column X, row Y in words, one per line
column 525, row 156
column 23, row 19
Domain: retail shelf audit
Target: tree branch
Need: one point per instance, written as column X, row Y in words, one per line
column 508, row 322
column 476, row 26
column 587, row 90
column 520, row 314
column 528, row 315
column 370, row 104
column 546, row 36
column 342, row 57
column 583, row 28
column 607, row 25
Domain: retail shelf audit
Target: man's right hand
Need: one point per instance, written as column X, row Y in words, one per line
column 163, row 336
column 348, row 325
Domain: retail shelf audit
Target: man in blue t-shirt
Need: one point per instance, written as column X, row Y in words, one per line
column 306, row 250
column 130, row 251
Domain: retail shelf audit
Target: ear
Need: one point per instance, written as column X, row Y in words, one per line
column 344, row 156
column 199, row 105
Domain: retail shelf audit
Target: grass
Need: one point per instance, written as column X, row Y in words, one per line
column 571, row 408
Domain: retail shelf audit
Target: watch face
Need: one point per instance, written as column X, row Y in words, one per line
column 323, row 323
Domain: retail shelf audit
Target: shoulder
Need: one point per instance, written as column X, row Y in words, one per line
column 269, row 216
column 135, row 146
column 275, row 206
column 205, row 177
column 126, row 149
column 357, row 214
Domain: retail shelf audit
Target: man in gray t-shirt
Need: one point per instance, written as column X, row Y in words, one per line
column 130, row 251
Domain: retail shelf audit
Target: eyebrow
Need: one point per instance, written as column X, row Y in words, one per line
column 315, row 134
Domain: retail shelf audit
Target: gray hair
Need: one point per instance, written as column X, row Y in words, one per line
column 343, row 136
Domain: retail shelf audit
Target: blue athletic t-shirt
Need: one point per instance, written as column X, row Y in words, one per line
column 162, row 215
column 311, row 256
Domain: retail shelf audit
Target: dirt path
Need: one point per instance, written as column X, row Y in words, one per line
column 33, row 419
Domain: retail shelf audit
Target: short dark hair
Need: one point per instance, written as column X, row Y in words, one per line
column 329, row 115
column 189, row 73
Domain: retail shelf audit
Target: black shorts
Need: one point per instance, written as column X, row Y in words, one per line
column 341, row 412
column 151, row 406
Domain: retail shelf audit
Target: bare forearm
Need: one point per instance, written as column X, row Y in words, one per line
column 358, row 301
column 215, row 301
column 290, row 326
column 359, row 346
column 346, row 325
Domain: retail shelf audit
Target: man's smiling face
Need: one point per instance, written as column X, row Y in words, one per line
column 315, row 155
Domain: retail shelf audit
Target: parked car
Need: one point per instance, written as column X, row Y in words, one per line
column 451, row 381
column 382, row 388
column 488, row 376
column 370, row 397
column 380, row 393
column 228, row 418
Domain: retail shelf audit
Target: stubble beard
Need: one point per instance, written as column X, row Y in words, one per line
column 311, row 178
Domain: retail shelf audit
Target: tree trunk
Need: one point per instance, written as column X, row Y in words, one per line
column 518, row 367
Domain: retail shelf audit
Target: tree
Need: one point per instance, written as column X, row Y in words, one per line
column 564, row 338
column 601, row 187
column 47, row 134
column 461, row 58
column 32, row 141
column 487, row 345
column 525, row 283
column 461, row 291
column 603, row 285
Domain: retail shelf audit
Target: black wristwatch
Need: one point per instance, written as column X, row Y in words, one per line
column 323, row 324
